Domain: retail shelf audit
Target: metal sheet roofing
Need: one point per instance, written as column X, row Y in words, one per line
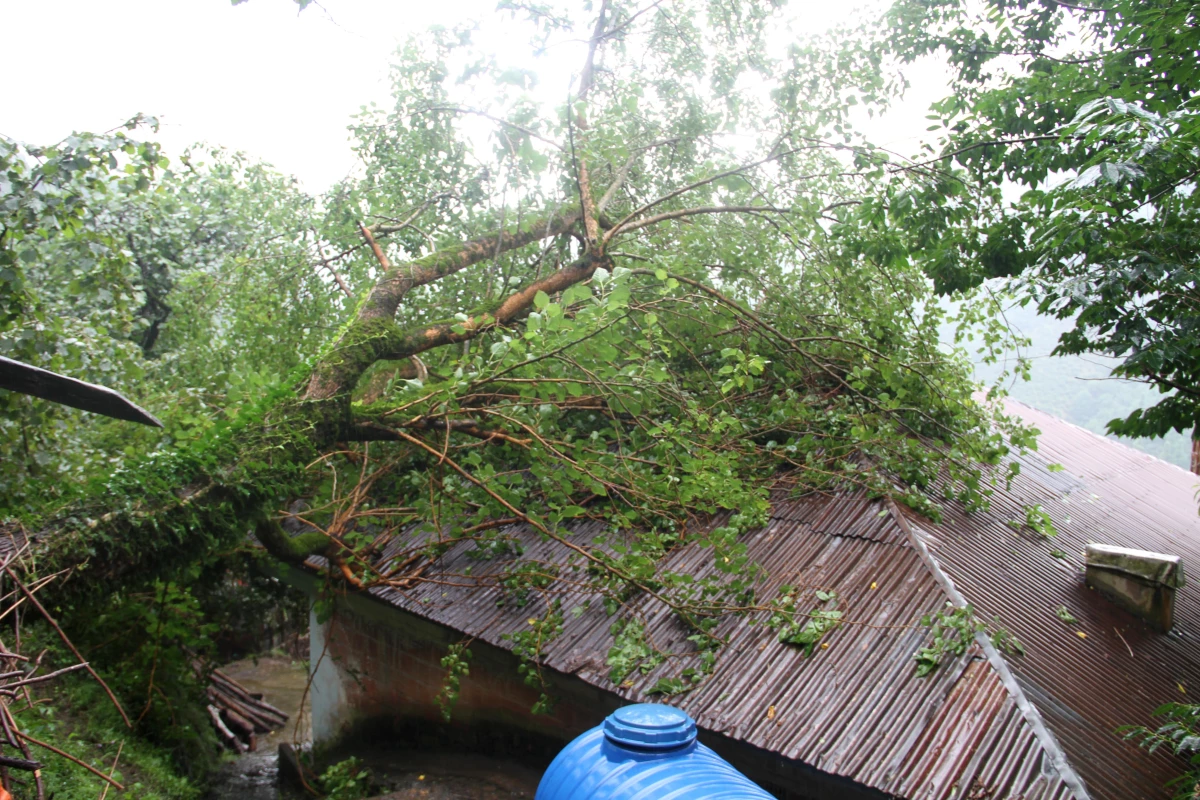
column 1120, row 669
column 1040, row 725
column 856, row 709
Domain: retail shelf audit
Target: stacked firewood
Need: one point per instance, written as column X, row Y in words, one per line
column 240, row 715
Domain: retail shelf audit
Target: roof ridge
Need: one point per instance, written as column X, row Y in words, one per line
column 1030, row 713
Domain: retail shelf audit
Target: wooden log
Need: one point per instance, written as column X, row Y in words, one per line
column 239, row 691
column 227, row 704
column 229, row 694
column 236, row 720
column 244, row 726
column 215, row 714
column 261, row 724
column 19, row 763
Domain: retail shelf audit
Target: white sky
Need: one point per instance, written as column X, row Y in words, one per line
column 261, row 77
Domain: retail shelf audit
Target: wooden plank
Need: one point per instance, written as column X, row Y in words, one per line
column 26, row 379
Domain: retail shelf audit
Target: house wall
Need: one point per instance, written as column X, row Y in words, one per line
column 378, row 671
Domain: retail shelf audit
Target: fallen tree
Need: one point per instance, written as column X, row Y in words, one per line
column 640, row 307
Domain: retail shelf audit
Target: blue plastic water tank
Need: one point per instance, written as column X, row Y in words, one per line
column 644, row 752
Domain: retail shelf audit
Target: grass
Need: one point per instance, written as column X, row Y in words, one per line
column 77, row 718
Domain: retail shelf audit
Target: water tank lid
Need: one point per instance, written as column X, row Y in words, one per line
column 650, row 726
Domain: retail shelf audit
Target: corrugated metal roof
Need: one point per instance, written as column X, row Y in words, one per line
column 856, row 709
column 1083, row 687
column 984, row 727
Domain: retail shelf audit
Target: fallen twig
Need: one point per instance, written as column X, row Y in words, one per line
column 113, row 771
column 69, row 757
column 46, row 677
column 1122, row 638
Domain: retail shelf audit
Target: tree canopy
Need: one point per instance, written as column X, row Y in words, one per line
column 1089, row 110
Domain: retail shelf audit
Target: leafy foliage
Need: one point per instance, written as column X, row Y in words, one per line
column 805, row 629
column 952, row 632
column 346, row 780
column 1092, row 113
column 127, row 272
column 66, row 303
column 1065, row 615
column 457, row 666
column 1181, row 735
column 80, row 719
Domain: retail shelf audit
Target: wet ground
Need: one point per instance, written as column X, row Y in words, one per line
column 281, row 681
column 398, row 773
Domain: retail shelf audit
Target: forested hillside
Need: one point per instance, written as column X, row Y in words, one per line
column 1079, row 388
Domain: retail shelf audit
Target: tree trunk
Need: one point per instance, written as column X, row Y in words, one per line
column 1196, row 449
column 179, row 506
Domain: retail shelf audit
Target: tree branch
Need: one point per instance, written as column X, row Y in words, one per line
column 591, row 224
column 399, row 280
column 527, row 131
column 976, row 146
column 637, row 212
column 691, row 212
column 426, row 337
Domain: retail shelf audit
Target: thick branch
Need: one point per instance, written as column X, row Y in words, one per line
column 426, row 337
column 591, row 225
column 292, row 549
column 370, row 337
column 397, row 281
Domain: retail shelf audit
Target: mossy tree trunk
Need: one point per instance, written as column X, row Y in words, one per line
column 178, row 507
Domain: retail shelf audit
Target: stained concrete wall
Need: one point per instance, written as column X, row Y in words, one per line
column 377, row 672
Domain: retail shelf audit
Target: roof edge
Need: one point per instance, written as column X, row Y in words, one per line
column 1111, row 440
column 1029, row 712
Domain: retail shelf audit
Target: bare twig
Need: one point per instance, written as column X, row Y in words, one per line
column 112, row 771
column 46, row 677
column 1122, row 638
column 69, row 757
column 70, row 645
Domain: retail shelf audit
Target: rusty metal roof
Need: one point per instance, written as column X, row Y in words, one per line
column 1120, row 670
column 986, row 726
column 856, row 709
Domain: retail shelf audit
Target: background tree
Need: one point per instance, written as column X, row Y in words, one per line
column 1090, row 112
column 175, row 284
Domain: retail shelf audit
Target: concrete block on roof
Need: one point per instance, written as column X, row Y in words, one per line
column 1140, row 581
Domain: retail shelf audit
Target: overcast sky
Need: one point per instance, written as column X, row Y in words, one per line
column 259, row 77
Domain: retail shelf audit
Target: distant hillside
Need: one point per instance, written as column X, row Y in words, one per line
column 1079, row 389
